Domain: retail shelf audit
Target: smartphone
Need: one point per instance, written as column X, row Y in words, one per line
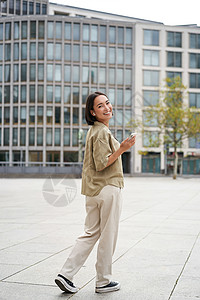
column 132, row 135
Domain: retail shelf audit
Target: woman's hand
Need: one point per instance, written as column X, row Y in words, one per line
column 127, row 143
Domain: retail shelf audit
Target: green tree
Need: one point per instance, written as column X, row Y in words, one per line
column 175, row 120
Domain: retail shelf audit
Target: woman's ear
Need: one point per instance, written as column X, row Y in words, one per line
column 92, row 113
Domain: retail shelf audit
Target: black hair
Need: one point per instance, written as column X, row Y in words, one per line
column 90, row 119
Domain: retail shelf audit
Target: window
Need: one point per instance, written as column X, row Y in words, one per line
column 75, row 116
column 57, row 115
column 112, row 55
column 31, row 8
column 151, row 37
column 32, row 115
column 32, row 94
column 173, row 75
column 39, row 136
column 15, row 115
column 174, row 39
column 23, row 72
column 49, row 115
column 128, row 56
column 23, row 93
column 7, row 73
column 6, row 115
column 25, row 8
column 151, row 58
column 37, row 8
column 7, row 52
column 8, row 31
column 40, row 115
column 32, row 51
column 24, row 30
column 33, row 29
column 41, row 29
column 57, row 137
column 49, row 93
column 44, row 9
column 15, row 136
column 194, row 41
column 94, row 33
column 67, row 94
column 57, row 72
column 120, row 56
column 120, row 35
column 85, row 53
column 31, row 136
column 102, row 34
column 129, row 36
column 40, row 72
column 23, row 115
column 86, row 32
column 6, row 136
column 16, row 51
column 57, row 94
column 174, row 59
column 150, row 119
column 112, row 35
column 76, row 74
column 7, row 94
column 18, row 4
column 194, row 60
column 150, row 98
column 102, row 54
column 75, row 137
column 120, row 76
column 194, row 100
column 151, row 78
column 58, row 30
column 40, row 50
column 24, row 51
column 32, row 72
column 151, row 139
column 50, row 30
column 15, row 93
column 16, row 30
column 67, row 73
column 94, row 54
column 49, row 137
column 68, row 31
column 76, row 53
column 76, row 32
column 67, row 115
column 49, row 72
column 66, row 137
column 67, row 52
column 194, row 142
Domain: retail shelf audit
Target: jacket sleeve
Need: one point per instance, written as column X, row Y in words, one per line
column 101, row 151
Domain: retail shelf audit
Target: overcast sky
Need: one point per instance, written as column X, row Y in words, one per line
column 169, row 12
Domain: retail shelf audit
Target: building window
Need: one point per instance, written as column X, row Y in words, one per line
column 194, row 41
column 41, row 29
column 40, row 50
column 67, row 94
column 40, row 72
column 32, row 115
column 16, row 51
column 40, row 92
column 151, row 37
column 37, row 8
column 49, row 137
column 57, row 94
column 58, row 30
column 195, row 80
column 67, row 115
column 194, row 100
column 40, row 115
column 173, row 75
column 15, row 115
column 129, row 36
column 103, row 34
column 174, row 39
column 31, row 8
column 194, row 142
column 50, row 30
column 6, row 136
column 44, row 9
column 32, row 72
column 66, row 137
column 112, row 55
column 76, row 74
column 49, row 114
column 7, row 73
column 24, row 30
column 8, row 31
column 6, row 115
column 151, row 139
column 39, row 136
column 24, row 51
column 57, row 115
column 49, row 93
column 67, row 51
column 194, row 60
column 23, row 115
column 49, row 72
column 150, row 98
column 31, row 136
column 102, row 54
column 68, row 31
column 112, row 35
column 151, row 58
column 15, row 93
column 151, row 78
column 75, row 116
column 57, row 137
column 25, row 8
column 23, row 93
column 15, row 137
column 75, row 137
column 32, row 51
column 22, row 136
column 76, row 53
column 128, row 56
column 33, row 29
column 120, row 35
column 16, row 30
column 7, row 94
column 86, row 32
column 58, row 73
column 76, row 32
column 32, row 93
column 150, row 122
column 174, row 59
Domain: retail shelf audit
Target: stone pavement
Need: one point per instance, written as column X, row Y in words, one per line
column 158, row 250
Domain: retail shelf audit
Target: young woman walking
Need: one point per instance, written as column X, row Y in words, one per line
column 102, row 181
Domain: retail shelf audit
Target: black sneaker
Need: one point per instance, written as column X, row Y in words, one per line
column 111, row 287
column 65, row 284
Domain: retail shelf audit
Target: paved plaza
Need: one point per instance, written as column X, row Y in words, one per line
column 158, row 250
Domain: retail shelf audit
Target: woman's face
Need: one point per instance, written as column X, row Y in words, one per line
column 102, row 109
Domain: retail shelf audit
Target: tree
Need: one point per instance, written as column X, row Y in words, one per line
column 175, row 120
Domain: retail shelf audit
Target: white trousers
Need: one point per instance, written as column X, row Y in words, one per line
column 101, row 223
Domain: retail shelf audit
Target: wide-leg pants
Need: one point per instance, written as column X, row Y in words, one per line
column 101, row 223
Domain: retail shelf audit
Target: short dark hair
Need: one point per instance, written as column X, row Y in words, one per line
column 90, row 119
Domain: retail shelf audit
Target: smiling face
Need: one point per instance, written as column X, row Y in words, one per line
column 102, row 109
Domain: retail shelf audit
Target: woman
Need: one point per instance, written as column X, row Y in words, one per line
column 102, row 181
